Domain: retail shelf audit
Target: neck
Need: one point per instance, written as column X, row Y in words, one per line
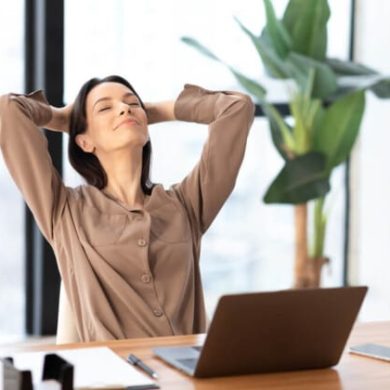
column 123, row 169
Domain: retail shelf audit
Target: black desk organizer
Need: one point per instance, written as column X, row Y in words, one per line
column 54, row 368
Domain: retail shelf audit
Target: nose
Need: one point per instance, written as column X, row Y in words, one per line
column 125, row 108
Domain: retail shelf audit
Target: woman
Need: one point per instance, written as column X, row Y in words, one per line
column 127, row 250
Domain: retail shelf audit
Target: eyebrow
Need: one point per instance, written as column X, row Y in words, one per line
column 127, row 94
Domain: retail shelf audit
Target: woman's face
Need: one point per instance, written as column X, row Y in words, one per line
column 115, row 120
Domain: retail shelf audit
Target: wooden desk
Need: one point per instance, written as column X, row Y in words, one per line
column 353, row 372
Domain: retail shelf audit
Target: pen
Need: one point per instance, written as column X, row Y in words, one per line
column 132, row 359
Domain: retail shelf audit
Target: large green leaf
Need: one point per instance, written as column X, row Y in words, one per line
column 277, row 33
column 274, row 65
column 354, row 76
column 382, row 88
column 277, row 139
column 294, row 66
column 339, row 129
column 361, row 82
column 349, row 68
column 201, row 48
column 299, row 68
column 378, row 84
column 300, row 180
column 306, row 20
column 250, row 85
column 280, row 131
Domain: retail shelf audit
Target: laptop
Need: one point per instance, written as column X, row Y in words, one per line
column 272, row 331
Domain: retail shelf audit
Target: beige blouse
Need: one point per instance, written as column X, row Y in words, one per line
column 129, row 273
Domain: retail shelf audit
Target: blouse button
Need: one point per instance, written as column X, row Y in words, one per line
column 157, row 312
column 146, row 278
column 141, row 242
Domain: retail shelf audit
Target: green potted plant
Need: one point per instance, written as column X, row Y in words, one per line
column 327, row 105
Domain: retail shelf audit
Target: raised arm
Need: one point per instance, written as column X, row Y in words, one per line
column 24, row 148
column 229, row 115
column 160, row 111
column 59, row 120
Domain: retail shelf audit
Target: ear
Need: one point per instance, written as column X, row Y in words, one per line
column 83, row 141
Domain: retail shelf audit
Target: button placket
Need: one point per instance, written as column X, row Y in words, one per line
column 141, row 241
column 147, row 276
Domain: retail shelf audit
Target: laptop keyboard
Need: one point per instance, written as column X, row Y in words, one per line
column 190, row 362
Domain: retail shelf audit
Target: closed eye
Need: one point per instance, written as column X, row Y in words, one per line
column 104, row 109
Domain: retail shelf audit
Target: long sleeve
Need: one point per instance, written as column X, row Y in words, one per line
column 26, row 155
column 229, row 115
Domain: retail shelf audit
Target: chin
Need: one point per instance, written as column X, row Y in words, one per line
column 136, row 142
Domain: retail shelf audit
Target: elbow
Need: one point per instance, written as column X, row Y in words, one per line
column 5, row 97
column 248, row 104
column 247, row 107
column 33, row 106
column 8, row 99
column 8, row 105
column 241, row 106
column 4, row 102
column 5, row 111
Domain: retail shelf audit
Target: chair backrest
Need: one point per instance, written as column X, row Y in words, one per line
column 66, row 328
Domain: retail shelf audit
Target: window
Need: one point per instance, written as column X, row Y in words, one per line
column 11, row 205
column 371, row 189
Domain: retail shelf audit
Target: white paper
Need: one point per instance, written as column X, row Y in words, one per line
column 93, row 368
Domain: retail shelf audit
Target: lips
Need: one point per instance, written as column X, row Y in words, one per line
column 129, row 121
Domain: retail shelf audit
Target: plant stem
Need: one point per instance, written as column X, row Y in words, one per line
column 319, row 228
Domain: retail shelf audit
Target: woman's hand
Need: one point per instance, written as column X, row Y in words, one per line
column 60, row 119
column 160, row 111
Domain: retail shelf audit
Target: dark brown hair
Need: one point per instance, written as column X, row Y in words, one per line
column 87, row 164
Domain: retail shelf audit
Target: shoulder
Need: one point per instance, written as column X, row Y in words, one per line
column 86, row 195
